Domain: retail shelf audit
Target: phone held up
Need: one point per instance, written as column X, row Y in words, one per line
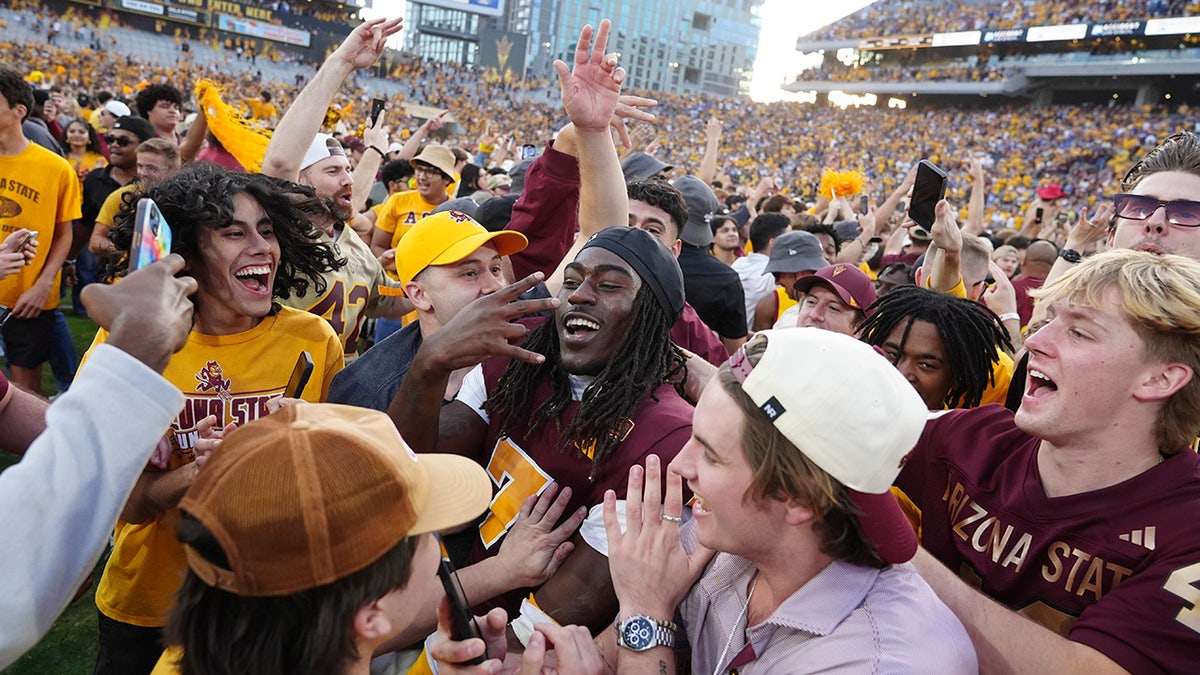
column 151, row 236
column 528, row 151
column 928, row 189
column 462, row 622
column 300, row 374
column 377, row 106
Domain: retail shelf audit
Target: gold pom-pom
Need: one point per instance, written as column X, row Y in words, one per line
column 240, row 137
column 845, row 184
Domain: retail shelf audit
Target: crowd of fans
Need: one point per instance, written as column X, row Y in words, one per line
column 902, row 17
column 1080, row 147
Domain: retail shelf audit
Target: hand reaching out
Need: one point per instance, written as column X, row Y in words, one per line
column 591, row 87
column 534, row 548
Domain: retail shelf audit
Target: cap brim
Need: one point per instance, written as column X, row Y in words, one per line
column 459, row 490
column 796, row 264
column 805, row 284
column 506, row 242
column 884, row 524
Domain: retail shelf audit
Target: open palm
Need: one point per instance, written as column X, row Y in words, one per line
column 590, row 90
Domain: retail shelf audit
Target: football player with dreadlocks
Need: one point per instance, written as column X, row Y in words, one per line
column 590, row 392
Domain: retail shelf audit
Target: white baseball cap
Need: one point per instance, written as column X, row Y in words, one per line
column 850, row 411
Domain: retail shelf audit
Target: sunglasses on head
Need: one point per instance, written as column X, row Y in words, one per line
column 1181, row 212
column 119, row 141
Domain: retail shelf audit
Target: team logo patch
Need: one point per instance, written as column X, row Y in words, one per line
column 772, row 408
column 9, row 208
column 211, row 379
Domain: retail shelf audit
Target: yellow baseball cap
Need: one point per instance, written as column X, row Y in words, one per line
column 447, row 237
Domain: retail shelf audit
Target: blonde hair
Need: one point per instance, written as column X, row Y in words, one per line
column 1160, row 294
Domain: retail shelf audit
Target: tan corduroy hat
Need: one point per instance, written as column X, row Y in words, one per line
column 315, row 492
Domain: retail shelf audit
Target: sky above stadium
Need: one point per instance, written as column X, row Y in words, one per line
column 782, row 22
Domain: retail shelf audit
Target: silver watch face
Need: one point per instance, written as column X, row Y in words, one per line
column 638, row 633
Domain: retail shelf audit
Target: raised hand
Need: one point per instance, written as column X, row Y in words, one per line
column 651, row 573
column 1088, row 231
column 365, row 44
column 591, row 87
column 945, row 232
column 484, row 329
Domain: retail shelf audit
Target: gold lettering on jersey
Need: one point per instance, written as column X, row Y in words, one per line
column 1064, row 558
column 1078, row 572
column 20, row 189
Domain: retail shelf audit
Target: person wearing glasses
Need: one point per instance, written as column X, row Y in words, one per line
column 1157, row 210
column 123, row 138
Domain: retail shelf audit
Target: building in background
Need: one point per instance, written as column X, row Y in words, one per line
column 676, row 46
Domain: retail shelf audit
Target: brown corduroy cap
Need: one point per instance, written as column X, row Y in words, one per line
column 315, row 492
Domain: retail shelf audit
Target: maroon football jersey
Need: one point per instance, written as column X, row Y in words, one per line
column 521, row 466
column 1116, row 569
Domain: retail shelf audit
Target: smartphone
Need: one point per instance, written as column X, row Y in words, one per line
column 1038, row 213
column 5, row 313
column 29, row 236
column 928, row 189
column 300, row 375
column 151, row 235
column 864, row 203
column 462, row 621
column 377, row 105
column 528, row 151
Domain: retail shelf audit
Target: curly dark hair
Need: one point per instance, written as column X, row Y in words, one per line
column 661, row 194
column 150, row 96
column 970, row 332
column 645, row 359
column 201, row 194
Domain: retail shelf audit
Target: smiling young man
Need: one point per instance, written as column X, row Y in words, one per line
column 586, row 395
column 809, row 573
column 1075, row 515
column 240, row 239
column 434, row 168
column 445, row 262
column 299, row 153
column 835, row 298
column 943, row 345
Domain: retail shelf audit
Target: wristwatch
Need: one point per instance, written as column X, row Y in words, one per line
column 640, row 633
column 1070, row 255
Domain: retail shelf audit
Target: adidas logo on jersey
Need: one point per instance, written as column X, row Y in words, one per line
column 1143, row 537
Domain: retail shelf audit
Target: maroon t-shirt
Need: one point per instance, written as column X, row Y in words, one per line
column 522, row 465
column 691, row 333
column 1022, row 286
column 1117, row 569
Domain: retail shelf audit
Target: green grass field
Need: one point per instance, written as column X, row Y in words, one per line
column 70, row 647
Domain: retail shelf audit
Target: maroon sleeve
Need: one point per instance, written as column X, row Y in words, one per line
column 695, row 336
column 547, row 213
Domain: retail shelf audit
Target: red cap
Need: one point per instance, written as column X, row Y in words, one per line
column 851, row 284
column 1051, row 191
